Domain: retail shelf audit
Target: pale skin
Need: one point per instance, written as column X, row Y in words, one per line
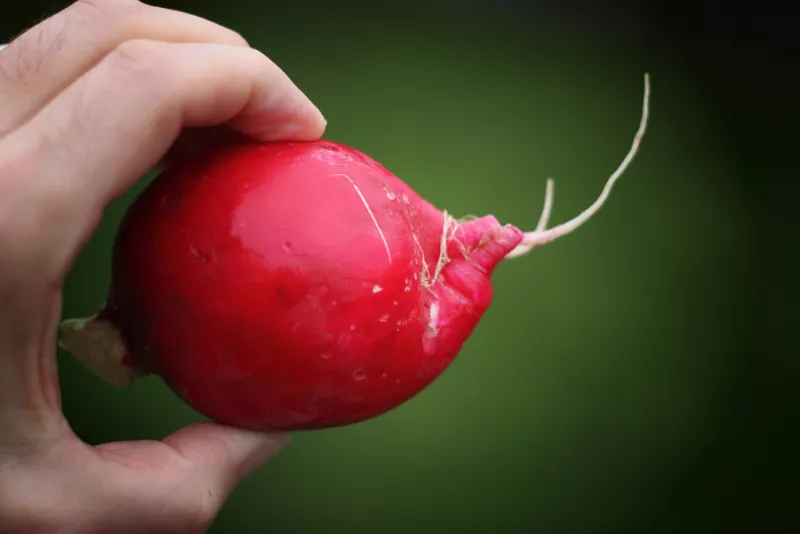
column 90, row 100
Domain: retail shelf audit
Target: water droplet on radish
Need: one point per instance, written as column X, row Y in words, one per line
column 383, row 318
column 325, row 355
column 287, row 246
column 359, row 374
column 376, row 288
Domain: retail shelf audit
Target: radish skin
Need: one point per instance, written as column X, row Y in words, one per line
column 297, row 285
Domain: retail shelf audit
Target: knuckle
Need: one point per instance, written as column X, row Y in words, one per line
column 134, row 18
column 108, row 10
column 94, row 15
column 140, row 65
column 136, row 58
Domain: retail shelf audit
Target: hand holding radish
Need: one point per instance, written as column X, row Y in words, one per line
column 282, row 283
column 90, row 99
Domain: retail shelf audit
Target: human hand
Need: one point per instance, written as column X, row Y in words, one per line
column 90, row 100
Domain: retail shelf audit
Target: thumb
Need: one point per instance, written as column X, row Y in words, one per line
column 219, row 457
column 176, row 485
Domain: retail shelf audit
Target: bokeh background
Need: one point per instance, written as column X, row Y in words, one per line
column 637, row 376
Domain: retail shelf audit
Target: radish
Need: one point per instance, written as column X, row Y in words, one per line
column 297, row 285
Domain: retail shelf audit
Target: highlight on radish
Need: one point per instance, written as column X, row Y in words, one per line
column 297, row 285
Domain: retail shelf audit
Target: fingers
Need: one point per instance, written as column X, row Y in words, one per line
column 165, row 87
column 217, row 458
column 85, row 148
column 50, row 56
column 224, row 455
column 174, row 486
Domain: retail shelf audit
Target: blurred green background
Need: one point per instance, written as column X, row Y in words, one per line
column 628, row 378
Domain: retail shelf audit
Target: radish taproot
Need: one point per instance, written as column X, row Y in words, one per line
column 297, row 285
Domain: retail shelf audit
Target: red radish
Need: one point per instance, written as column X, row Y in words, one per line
column 296, row 285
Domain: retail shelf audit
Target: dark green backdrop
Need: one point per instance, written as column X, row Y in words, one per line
column 615, row 385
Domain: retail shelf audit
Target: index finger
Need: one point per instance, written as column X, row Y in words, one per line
column 48, row 57
column 126, row 112
column 104, row 132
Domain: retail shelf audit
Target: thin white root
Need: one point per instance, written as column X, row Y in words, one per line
column 541, row 235
column 544, row 218
column 449, row 228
